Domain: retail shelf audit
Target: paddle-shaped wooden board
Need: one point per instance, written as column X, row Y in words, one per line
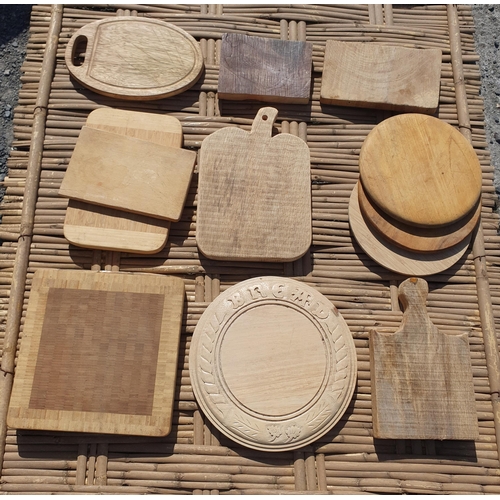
column 372, row 75
column 254, row 194
column 421, row 379
column 95, row 226
column 134, row 58
column 129, row 174
column 99, row 353
column 420, row 170
column 417, row 239
column 266, row 69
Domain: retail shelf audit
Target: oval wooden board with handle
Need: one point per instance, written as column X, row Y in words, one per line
column 94, row 226
column 417, row 239
column 134, row 58
column 420, row 170
column 254, row 194
column 272, row 363
column 395, row 258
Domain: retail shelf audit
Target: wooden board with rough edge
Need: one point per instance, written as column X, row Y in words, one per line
column 254, row 194
column 129, row 174
column 135, row 58
column 95, row 226
column 381, row 76
column 420, row 170
column 413, row 238
column 99, row 353
column 421, row 379
column 264, row 69
column 280, row 330
column 399, row 259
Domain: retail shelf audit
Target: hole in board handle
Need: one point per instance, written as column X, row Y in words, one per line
column 264, row 117
column 79, row 51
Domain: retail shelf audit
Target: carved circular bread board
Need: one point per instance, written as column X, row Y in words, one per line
column 399, row 259
column 134, row 58
column 272, row 364
column 417, row 239
column 420, row 170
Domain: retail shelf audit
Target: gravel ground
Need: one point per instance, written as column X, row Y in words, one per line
column 14, row 20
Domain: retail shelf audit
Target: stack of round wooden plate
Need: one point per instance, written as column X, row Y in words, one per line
column 418, row 199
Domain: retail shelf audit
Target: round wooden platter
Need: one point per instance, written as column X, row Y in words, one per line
column 420, row 170
column 134, row 58
column 399, row 259
column 415, row 238
column 272, row 364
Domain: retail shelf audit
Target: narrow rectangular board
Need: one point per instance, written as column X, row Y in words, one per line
column 381, row 76
column 421, row 379
column 129, row 174
column 99, row 353
column 264, row 69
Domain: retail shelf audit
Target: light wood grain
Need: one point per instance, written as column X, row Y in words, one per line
column 395, row 258
column 415, row 238
column 264, row 69
column 135, row 58
column 421, row 379
column 381, row 76
column 420, row 170
column 94, row 226
column 95, row 357
column 254, row 199
column 129, row 174
column 272, row 363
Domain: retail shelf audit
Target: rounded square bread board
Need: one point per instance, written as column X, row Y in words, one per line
column 95, row 226
column 99, row 353
column 254, row 194
column 129, row 174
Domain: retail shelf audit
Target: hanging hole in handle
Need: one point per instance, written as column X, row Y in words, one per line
column 265, row 117
column 79, row 51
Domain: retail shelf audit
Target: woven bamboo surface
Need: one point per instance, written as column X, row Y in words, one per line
column 195, row 458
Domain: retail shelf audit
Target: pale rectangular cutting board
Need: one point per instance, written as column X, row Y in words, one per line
column 129, row 174
column 95, row 226
column 381, row 76
column 421, row 378
column 99, row 353
column 254, row 194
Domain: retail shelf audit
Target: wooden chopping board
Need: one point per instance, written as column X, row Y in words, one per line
column 395, row 258
column 253, row 67
column 414, row 238
column 421, row 379
column 372, row 75
column 134, row 58
column 272, row 364
column 254, row 194
column 129, row 174
column 420, row 170
column 95, row 226
column 99, row 353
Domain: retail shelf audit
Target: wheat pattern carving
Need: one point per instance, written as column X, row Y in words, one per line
column 207, row 372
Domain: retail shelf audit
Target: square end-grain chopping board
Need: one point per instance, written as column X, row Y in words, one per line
column 95, row 226
column 378, row 76
column 129, row 174
column 254, row 194
column 99, row 353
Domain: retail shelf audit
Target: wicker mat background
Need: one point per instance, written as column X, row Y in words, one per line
column 195, row 457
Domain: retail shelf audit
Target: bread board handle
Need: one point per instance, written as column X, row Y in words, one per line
column 264, row 121
column 79, row 48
